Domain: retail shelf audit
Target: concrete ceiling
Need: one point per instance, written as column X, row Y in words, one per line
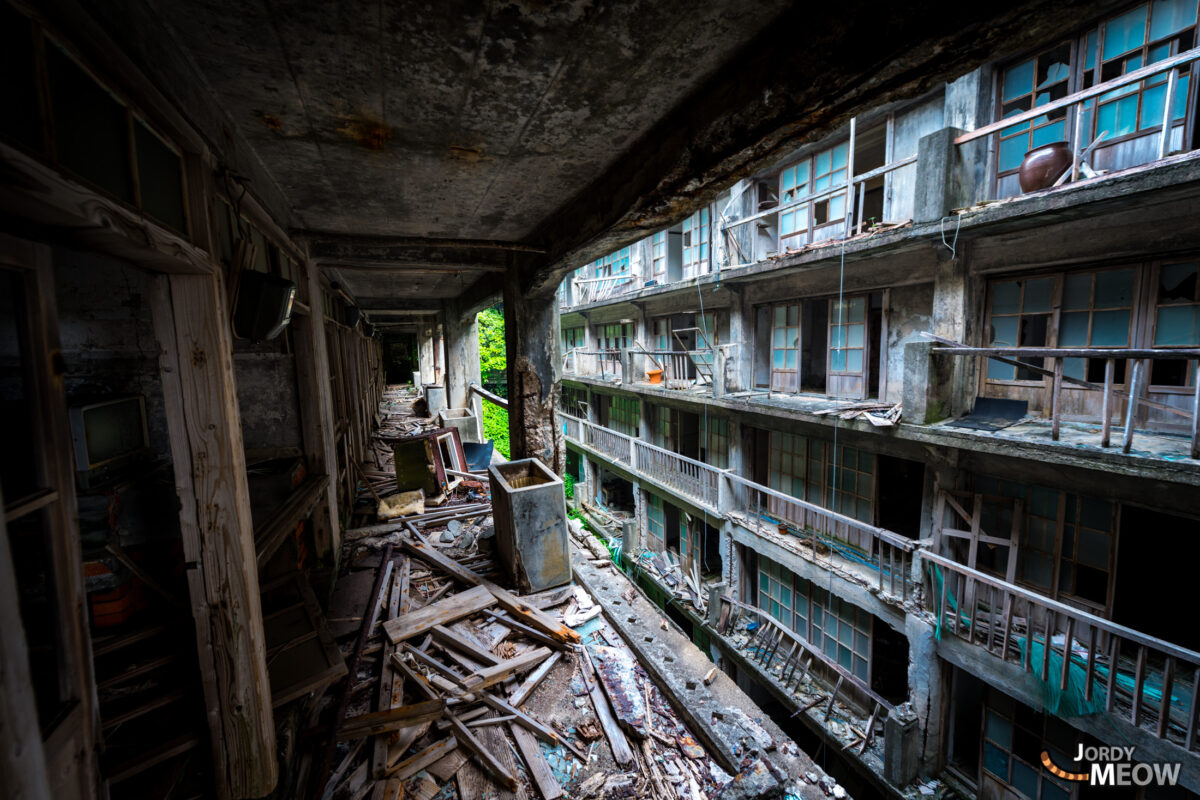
column 422, row 149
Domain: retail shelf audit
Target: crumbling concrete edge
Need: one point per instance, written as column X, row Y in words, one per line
column 682, row 677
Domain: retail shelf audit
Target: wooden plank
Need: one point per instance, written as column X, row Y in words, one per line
column 419, row 761
column 506, row 669
column 490, row 761
column 622, row 754
column 521, row 693
column 539, row 771
column 455, row 640
column 532, row 725
column 1135, row 386
column 391, row 684
column 1110, row 365
column 442, row 612
column 392, row 719
column 204, row 427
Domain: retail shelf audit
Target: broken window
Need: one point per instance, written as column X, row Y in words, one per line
column 775, row 590
column 1176, row 321
column 793, row 185
column 851, row 483
column 1066, row 544
column 695, row 244
column 615, row 263
column 572, row 338
column 612, row 339
column 1026, row 85
column 1020, row 317
column 574, row 401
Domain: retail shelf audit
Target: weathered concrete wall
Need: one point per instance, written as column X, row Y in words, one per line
column 908, row 314
column 267, row 397
column 909, row 126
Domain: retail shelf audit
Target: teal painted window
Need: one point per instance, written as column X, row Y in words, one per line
column 847, row 335
column 1020, row 317
column 695, row 244
column 654, row 523
column 1014, row 737
column 1024, row 86
column 1097, row 311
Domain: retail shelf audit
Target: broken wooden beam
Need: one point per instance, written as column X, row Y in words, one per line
column 489, row 761
column 419, row 761
column 442, row 612
column 377, row 722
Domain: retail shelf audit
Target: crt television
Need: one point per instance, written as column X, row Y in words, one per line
column 108, row 435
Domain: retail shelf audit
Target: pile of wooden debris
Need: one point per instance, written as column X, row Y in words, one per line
column 881, row 415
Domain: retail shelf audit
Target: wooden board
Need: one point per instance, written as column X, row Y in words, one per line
column 442, row 612
column 303, row 654
column 539, row 771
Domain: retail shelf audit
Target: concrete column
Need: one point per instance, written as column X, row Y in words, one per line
column 532, row 348
column 425, row 349
column 462, row 361
column 926, row 695
column 739, row 353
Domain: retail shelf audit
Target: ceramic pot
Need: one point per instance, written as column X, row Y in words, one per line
column 654, row 375
column 1043, row 166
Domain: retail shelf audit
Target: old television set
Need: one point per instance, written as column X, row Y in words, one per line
column 263, row 307
column 108, row 436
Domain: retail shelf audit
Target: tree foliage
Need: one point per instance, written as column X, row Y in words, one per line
column 492, row 365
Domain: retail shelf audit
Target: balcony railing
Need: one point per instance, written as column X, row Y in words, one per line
column 590, row 290
column 689, row 477
column 1080, row 101
column 1138, row 382
column 677, row 366
column 888, row 553
column 1085, row 663
column 605, row 364
column 616, row 446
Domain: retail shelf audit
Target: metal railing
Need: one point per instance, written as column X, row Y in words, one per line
column 689, row 477
column 1094, row 663
column 605, row 364
column 678, row 371
column 1138, row 386
column 1079, row 100
column 886, row 552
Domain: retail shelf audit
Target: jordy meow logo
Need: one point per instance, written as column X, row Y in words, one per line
column 1113, row 766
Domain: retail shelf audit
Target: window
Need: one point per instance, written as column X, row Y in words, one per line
column 623, row 413
column 1014, row 737
column 1176, row 321
column 775, row 590
column 658, row 257
column 695, row 244
column 665, row 427
column 716, row 451
column 837, row 628
column 793, row 185
column 1077, row 531
column 1096, row 312
column 661, row 336
column 785, row 347
column 615, row 263
column 815, row 175
column 829, row 170
column 853, row 492
column 654, row 523
column 847, row 335
column 795, row 465
column 1026, row 85
column 574, row 401
column 1136, row 38
column 613, row 338
column 1020, row 317
column 684, row 544
column 572, row 338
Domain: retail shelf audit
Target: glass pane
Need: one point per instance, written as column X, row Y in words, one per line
column 1018, row 80
column 1047, row 134
column 1024, row 779
column 1075, row 367
column 1006, row 298
column 839, row 155
column 995, row 761
column 1125, row 32
column 1153, row 104
column 854, row 335
column 1037, row 295
column 1114, row 288
column 1110, row 329
column 1077, row 291
column 837, row 360
column 1118, row 117
column 1012, row 152
column 837, row 206
column 854, row 360
column 1171, row 16
column 858, row 309
column 1178, row 325
column 789, row 179
column 1177, row 284
column 999, row 730
column 1004, row 332
column 780, row 316
column 793, row 315
column 1073, row 329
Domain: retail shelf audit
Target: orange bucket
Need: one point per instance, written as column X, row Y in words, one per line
column 654, row 375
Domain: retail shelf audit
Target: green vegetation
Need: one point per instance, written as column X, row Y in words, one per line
column 492, row 367
column 569, row 485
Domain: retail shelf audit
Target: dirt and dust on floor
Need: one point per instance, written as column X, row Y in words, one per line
column 460, row 688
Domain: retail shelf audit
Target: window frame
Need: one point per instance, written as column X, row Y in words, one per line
column 697, row 248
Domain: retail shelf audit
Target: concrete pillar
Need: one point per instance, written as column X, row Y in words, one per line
column 926, row 696
column 532, row 348
column 739, row 354
column 462, row 362
column 425, row 349
column 900, row 746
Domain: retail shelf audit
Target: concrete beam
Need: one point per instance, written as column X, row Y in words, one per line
column 531, row 338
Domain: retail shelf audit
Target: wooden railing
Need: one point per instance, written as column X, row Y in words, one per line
column 838, row 535
column 589, row 290
column 616, row 446
column 678, row 371
column 572, row 426
column 1091, row 661
column 1138, row 382
column 689, row 477
column 1080, row 101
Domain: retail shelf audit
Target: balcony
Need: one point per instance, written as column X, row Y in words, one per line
column 593, row 290
column 1104, row 154
column 1082, row 664
column 1138, row 405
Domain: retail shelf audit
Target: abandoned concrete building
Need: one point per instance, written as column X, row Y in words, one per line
column 851, row 389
